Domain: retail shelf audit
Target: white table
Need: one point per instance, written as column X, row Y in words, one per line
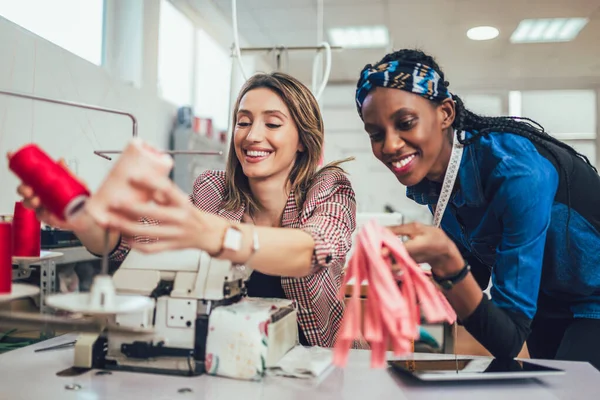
column 28, row 375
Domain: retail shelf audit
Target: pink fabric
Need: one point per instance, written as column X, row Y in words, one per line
column 392, row 311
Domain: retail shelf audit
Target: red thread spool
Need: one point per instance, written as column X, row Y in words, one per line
column 5, row 257
column 57, row 189
column 26, row 232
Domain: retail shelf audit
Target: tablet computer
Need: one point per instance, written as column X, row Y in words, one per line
column 465, row 369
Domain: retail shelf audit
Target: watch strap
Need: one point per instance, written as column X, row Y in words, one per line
column 449, row 282
column 225, row 245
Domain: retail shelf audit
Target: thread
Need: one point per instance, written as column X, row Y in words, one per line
column 59, row 192
column 5, row 257
column 394, row 300
column 26, row 232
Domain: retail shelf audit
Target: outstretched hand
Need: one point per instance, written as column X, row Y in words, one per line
column 428, row 244
column 179, row 224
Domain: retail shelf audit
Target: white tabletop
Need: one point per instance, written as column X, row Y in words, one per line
column 44, row 255
column 28, row 375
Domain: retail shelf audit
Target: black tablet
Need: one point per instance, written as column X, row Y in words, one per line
column 471, row 369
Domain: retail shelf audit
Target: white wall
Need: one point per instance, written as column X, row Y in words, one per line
column 34, row 65
column 127, row 81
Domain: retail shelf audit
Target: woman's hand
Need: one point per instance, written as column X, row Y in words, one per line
column 180, row 224
column 33, row 202
column 427, row 244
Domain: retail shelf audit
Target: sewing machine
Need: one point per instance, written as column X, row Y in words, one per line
column 186, row 286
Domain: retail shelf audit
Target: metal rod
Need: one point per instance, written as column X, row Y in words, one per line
column 293, row 48
column 100, row 153
column 105, row 254
column 134, row 130
column 75, row 104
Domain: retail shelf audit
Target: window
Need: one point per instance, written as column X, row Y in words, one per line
column 484, row 104
column 175, row 55
column 213, row 81
column 568, row 115
column 74, row 25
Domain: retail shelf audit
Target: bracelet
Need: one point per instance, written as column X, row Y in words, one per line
column 451, row 281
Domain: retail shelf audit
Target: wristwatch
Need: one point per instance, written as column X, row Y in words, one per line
column 449, row 282
column 232, row 241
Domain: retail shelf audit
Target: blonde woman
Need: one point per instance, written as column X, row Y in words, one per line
column 290, row 221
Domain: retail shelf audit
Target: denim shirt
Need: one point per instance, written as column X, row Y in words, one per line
column 509, row 218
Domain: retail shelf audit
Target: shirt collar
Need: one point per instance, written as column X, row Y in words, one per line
column 290, row 212
column 428, row 192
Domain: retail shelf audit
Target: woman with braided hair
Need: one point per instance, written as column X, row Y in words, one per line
column 510, row 202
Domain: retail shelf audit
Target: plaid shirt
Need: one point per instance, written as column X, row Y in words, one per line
column 328, row 215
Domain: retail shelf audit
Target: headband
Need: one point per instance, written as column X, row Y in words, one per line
column 413, row 77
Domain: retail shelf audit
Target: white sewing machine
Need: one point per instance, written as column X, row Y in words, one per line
column 185, row 287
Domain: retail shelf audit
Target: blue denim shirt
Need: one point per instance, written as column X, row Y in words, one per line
column 506, row 215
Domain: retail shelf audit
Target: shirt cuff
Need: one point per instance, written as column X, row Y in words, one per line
column 119, row 252
column 323, row 253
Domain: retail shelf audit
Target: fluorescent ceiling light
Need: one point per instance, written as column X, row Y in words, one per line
column 483, row 33
column 548, row 30
column 359, row 36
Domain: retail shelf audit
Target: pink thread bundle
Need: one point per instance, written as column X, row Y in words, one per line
column 392, row 311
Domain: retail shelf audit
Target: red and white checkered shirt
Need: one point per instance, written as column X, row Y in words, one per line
column 329, row 216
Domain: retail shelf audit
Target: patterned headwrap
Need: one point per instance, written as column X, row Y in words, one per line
column 413, row 77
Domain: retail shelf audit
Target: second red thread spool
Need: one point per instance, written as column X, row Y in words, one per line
column 26, row 232
column 5, row 257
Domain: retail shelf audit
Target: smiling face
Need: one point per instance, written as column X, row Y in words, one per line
column 409, row 134
column 265, row 137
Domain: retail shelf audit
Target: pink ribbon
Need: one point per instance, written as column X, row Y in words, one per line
column 392, row 311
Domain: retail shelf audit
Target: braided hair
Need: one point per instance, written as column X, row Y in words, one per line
column 478, row 126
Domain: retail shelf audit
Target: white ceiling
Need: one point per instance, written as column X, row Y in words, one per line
column 437, row 27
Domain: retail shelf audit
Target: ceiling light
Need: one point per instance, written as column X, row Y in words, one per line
column 359, row 36
column 548, row 30
column 483, row 33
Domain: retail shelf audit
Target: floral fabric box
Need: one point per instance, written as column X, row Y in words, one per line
column 246, row 338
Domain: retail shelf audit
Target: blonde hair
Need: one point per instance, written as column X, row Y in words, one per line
column 305, row 113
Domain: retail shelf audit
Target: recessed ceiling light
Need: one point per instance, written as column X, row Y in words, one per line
column 483, row 33
column 548, row 30
column 359, row 36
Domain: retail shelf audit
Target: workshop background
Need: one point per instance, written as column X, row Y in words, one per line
column 170, row 64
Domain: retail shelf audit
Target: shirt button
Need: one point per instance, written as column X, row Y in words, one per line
column 328, row 259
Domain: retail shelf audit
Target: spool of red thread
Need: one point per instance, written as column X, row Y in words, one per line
column 5, row 257
column 58, row 190
column 26, row 231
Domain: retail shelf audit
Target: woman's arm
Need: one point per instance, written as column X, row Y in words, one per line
column 283, row 251
column 500, row 331
column 523, row 195
column 323, row 237
column 92, row 235
column 500, row 325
